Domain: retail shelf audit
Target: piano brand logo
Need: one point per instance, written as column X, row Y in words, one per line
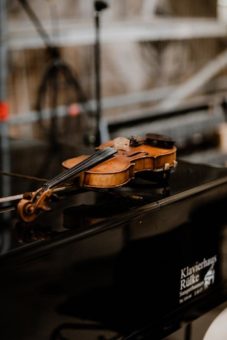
column 195, row 279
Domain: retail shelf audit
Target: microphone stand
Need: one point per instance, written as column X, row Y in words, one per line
column 98, row 7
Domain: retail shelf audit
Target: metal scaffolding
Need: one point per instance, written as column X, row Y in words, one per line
column 23, row 36
column 4, row 136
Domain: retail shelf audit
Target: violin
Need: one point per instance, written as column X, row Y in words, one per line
column 114, row 164
column 133, row 155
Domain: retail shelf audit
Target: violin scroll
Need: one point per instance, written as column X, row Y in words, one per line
column 33, row 203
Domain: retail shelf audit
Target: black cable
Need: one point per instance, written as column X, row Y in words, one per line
column 26, row 177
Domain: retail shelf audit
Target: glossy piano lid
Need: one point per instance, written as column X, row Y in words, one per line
column 79, row 214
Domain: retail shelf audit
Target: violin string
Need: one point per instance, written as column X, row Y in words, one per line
column 92, row 160
column 67, row 173
column 70, row 172
column 95, row 159
column 85, row 164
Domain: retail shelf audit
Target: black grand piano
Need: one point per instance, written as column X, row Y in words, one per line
column 139, row 262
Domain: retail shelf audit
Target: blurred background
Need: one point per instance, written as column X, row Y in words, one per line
column 163, row 70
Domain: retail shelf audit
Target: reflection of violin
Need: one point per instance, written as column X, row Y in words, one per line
column 113, row 164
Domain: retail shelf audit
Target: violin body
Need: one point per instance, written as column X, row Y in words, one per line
column 111, row 173
column 144, row 156
column 123, row 166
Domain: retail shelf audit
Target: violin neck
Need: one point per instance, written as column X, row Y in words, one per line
column 94, row 159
